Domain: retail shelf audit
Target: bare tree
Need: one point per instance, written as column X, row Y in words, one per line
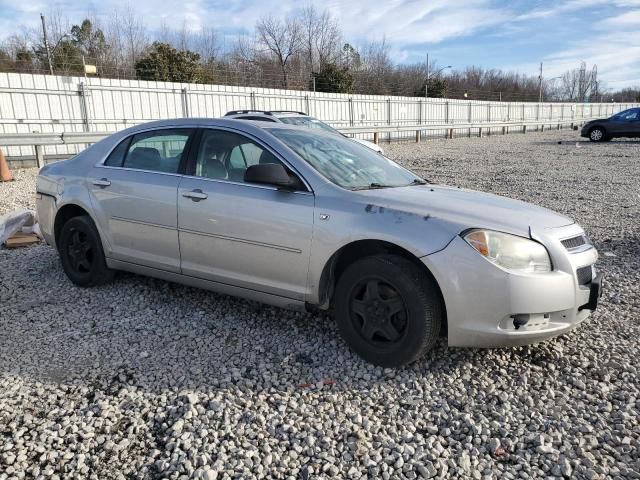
column 321, row 37
column 128, row 38
column 283, row 39
column 376, row 68
column 579, row 84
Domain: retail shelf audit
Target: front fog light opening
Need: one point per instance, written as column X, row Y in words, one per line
column 522, row 319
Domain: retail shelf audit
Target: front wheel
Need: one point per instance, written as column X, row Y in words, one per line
column 81, row 253
column 388, row 310
column 597, row 134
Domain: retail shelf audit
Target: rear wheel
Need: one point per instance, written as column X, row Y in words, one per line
column 388, row 310
column 81, row 253
column 597, row 134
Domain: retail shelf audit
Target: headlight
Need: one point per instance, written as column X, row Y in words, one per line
column 510, row 251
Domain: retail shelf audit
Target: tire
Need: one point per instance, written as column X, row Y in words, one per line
column 597, row 134
column 81, row 253
column 388, row 310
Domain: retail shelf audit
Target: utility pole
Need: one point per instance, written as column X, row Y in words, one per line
column 46, row 43
column 426, row 84
column 540, row 79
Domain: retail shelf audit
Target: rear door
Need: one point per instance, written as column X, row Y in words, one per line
column 134, row 196
column 241, row 234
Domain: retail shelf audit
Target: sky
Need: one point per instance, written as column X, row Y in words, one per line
column 510, row 35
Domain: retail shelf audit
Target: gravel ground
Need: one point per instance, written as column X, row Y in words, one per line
column 147, row 379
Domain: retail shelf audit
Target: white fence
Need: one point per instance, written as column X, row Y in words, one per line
column 45, row 104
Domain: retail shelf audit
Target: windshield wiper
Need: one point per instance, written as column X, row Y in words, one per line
column 373, row 186
column 419, row 181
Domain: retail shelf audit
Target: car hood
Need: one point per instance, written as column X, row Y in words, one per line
column 599, row 120
column 461, row 208
column 373, row 146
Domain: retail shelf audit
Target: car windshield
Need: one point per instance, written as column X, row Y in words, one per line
column 309, row 122
column 346, row 163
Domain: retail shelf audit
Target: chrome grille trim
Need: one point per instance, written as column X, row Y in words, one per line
column 574, row 242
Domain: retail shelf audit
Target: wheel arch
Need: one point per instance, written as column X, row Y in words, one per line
column 355, row 250
column 64, row 214
column 597, row 125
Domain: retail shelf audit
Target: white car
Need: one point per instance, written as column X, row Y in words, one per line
column 300, row 119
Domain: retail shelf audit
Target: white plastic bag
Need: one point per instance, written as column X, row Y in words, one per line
column 15, row 222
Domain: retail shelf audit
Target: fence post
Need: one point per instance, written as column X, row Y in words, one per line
column 446, row 112
column 253, row 100
column 389, row 118
column 419, row 112
column 185, row 102
column 84, row 107
column 306, row 98
column 351, row 112
column 40, row 155
column 470, row 117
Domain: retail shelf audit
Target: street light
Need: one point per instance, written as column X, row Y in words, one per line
column 426, row 85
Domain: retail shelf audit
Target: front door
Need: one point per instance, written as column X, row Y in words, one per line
column 241, row 234
column 134, row 196
column 625, row 124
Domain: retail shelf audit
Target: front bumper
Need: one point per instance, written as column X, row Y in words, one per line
column 46, row 211
column 488, row 306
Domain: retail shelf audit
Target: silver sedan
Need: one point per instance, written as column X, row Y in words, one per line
column 308, row 220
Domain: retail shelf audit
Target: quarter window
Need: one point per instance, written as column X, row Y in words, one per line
column 156, row 151
column 116, row 157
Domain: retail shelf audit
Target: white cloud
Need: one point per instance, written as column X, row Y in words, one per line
column 556, row 9
column 631, row 18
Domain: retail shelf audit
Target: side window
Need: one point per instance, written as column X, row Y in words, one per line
column 631, row 116
column 116, row 157
column 226, row 156
column 157, row 151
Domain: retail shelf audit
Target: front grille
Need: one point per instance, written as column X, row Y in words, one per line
column 574, row 242
column 585, row 275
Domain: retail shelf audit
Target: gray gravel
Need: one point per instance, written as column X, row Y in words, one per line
column 20, row 193
column 146, row 379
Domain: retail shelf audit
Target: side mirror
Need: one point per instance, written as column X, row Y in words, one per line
column 271, row 174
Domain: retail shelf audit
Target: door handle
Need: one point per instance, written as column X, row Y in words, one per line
column 103, row 182
column 195, row 195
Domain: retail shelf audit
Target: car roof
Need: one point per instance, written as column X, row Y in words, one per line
column 248, row 126
column 269, row 113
